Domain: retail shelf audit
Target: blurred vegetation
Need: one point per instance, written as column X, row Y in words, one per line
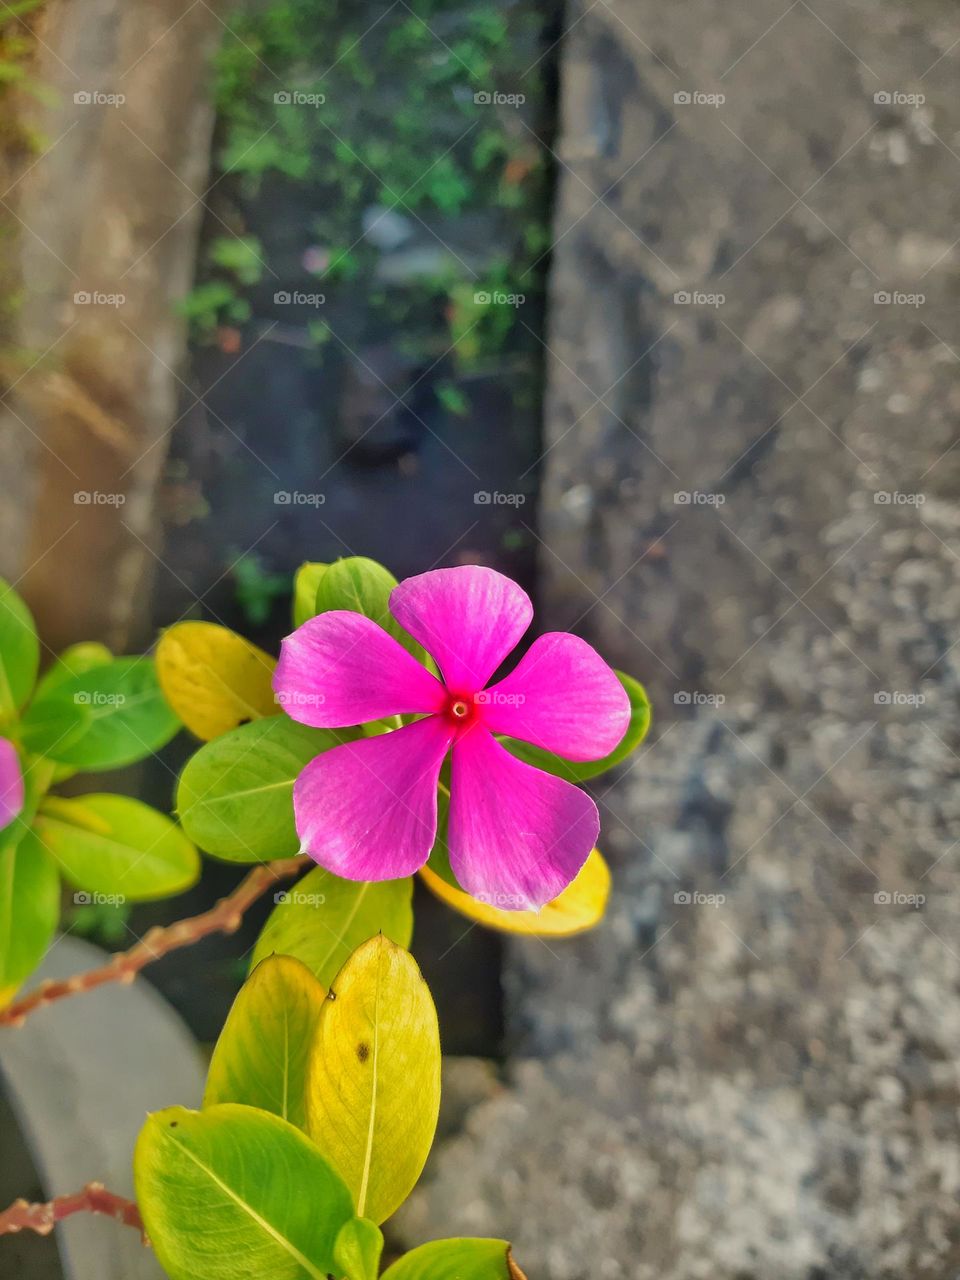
column 395, row 126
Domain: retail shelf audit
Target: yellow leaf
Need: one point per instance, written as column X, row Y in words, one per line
column 373, row 1081
column 261, row 1055
column 214, row 679
column 579, row 907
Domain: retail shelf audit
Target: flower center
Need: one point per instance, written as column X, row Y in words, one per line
column 459, row 709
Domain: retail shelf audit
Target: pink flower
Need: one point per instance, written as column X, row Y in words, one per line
column 367, row 810
column 11, row 784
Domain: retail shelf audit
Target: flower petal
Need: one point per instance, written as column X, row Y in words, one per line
column 517, row 836
column 11, row 783
column 468, row 619
column 341, row 669
column 563, row 697
column 368, row 810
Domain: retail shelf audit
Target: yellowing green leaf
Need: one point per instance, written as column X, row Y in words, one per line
column 323, row 919
column 233, row 1193
column 305, row 583
column 261, row 1055
column 579, row 907
column 373, row 1081
column 461, row 1259
column 115, row 845
column 213, row 678
column 29, row 909
column 74, row 661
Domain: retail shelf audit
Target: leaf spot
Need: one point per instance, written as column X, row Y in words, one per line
column 363, row 1051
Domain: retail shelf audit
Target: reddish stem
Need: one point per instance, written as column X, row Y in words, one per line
column 94, row 1198
column 224, row 917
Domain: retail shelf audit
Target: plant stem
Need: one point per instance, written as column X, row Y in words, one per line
column 224, row 917
column 94, row 1198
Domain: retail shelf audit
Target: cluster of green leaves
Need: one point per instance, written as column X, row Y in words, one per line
column 318, row 1115
column 90, row 711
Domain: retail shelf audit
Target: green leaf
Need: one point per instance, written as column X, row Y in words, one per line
column 323, row 919
column 373, row 1080
column 233, row 1193
column 108, row 716
column 19, row 652
column 462, row 1259
column 74, row 661
column 117, row 846
column 358, row 1249
column 305, row 584
column 582, row 771
column 363, row 586
column 29, row 908
column 235, row 796
column 261, row 1055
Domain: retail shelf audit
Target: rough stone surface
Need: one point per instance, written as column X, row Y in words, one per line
column 751, row 1070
